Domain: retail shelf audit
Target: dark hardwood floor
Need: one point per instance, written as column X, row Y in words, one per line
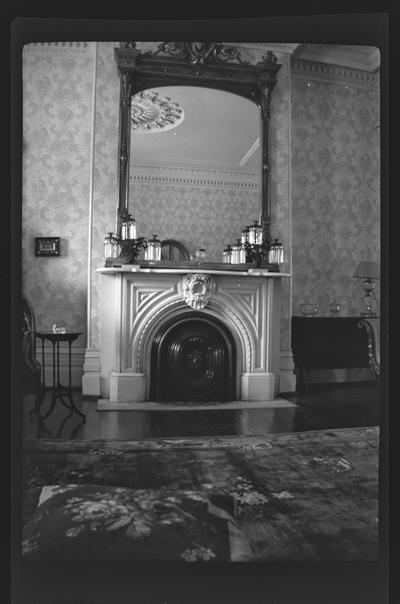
column 315, row 408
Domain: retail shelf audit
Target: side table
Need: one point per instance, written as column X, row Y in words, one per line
column 58, row 390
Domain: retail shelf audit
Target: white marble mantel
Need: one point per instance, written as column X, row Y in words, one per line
column 136, row 301
column 192, row 268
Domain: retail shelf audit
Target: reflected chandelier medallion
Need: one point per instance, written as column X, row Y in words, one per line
column 153, row 112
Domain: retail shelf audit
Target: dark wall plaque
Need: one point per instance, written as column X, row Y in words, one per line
column 47, row 246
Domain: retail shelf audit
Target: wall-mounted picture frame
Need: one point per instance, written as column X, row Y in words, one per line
column 47, row 246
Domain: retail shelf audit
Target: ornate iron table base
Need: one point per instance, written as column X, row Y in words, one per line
column 60, row 392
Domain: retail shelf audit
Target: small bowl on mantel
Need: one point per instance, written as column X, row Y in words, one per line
column 308, row 309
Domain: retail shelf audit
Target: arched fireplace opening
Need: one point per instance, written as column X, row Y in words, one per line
column 193, row 359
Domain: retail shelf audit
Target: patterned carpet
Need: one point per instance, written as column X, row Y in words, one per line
column 308, row 496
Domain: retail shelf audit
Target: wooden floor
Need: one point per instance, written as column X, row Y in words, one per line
column 317, row 407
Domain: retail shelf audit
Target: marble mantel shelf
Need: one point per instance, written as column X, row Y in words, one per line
column 133, row 268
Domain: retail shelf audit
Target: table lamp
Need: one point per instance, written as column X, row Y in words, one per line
column 368, row 271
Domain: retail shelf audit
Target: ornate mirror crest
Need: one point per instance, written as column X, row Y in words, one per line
column 197, row 54
column 200, row 53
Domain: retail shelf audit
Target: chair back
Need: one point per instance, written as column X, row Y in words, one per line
column 31, row 367
column 173, row 250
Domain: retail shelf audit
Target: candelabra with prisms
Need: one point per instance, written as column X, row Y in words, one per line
column 252, row 249
column 126, row 246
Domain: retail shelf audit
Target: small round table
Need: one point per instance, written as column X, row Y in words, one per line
column 58, row 390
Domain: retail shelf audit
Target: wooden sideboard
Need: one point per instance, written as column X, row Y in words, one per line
column 328, row 343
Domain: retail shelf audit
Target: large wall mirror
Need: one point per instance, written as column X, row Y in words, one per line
column 195, row 177
column 194, row 142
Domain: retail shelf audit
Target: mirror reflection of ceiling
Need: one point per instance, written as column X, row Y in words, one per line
column 220, row 132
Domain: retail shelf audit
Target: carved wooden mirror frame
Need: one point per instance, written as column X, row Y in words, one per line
column 210, row 65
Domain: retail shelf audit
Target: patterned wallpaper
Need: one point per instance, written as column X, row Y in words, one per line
column 325, row 162
column 198, row 216
column 105, row 184
column 57, row 83
column 280, row 186
column 335, row 191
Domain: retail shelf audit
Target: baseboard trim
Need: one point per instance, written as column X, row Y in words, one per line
column 287, row 377
column 328, row 385
column 338, row 376
column 91, row 373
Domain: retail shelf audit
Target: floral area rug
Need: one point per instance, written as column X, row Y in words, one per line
column 87, row 523
column 305, row 496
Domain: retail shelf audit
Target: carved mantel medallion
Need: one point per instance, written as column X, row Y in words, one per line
column 197, row 289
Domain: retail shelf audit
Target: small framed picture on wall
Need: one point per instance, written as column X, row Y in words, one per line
column 47, row 246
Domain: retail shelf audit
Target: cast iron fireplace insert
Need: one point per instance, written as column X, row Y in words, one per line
column 193, row 359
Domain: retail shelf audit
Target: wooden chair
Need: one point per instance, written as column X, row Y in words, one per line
column 372, row 327
column 31, row 368
column 173, row 250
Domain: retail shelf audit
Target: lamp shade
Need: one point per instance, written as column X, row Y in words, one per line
column 367, row 270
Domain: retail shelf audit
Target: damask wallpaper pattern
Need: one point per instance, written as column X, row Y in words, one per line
column 335, row 191
column 57, row 84
column 198, row 216
column 324, row 185
column 105, row 178
column 280, row 186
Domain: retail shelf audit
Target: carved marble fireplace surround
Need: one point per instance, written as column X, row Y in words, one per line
column 137, row 302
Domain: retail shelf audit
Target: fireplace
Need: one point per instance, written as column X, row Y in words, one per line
column 180, row 335
column 193, row 358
